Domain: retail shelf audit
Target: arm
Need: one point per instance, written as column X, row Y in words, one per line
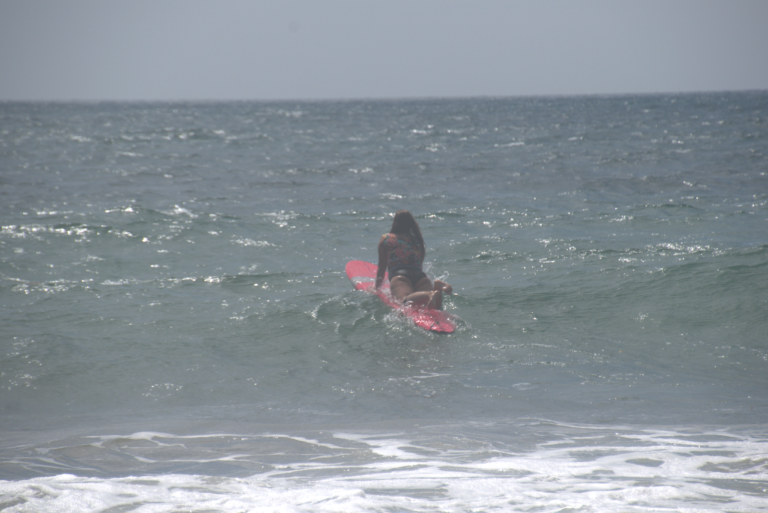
column 383, row 259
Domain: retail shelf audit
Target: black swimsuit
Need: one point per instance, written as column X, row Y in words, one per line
column 413, row 274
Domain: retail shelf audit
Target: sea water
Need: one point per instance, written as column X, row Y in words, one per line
column 178, row 333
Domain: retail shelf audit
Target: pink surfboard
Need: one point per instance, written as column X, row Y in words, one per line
column 363, row 277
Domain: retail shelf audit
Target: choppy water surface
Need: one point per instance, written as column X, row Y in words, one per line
column 177, row 331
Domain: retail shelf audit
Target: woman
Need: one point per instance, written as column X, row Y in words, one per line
column 402, row 252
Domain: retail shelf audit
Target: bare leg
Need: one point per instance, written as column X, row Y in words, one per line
column 436, row 301
column 425, row 294
column 430, row 299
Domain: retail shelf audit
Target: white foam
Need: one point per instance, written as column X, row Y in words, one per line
column 592, row 470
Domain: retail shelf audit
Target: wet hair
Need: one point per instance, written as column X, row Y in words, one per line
column 404, row 223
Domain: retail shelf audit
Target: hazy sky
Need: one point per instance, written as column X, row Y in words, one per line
column 307, row 49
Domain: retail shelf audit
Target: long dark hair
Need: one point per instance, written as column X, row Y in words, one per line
column 405, row 224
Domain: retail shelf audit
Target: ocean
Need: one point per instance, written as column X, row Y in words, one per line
column 178, row 333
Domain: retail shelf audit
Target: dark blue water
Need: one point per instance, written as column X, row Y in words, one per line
column 177, row 331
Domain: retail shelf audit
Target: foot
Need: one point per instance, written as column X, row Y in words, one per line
column 443, row 287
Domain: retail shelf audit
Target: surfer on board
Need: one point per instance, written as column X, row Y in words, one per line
column 401, row 252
